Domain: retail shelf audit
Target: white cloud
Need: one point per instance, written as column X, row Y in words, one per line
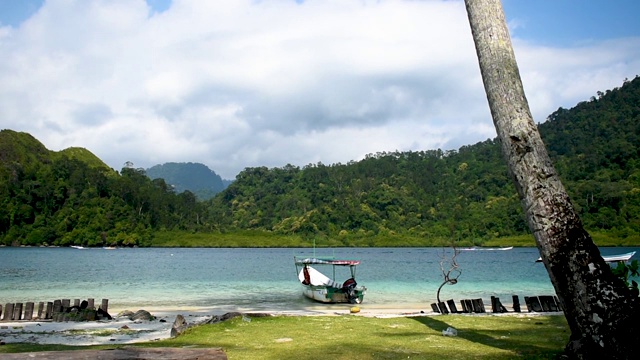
column 236, row 84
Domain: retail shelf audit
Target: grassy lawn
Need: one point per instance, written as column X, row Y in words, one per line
column 357, row 337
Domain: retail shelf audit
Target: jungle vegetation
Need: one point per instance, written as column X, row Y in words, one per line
column 412, row 198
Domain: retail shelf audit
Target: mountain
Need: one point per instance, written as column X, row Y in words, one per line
column 71, row 197
column 195, row 177
column 22, row 148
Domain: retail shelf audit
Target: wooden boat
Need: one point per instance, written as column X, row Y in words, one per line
column 612, row 258
column 320, row 287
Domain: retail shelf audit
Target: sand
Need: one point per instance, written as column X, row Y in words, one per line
column 122, row 330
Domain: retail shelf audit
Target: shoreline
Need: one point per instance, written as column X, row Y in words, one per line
column 122, row 330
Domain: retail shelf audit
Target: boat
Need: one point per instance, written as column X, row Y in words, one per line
column 322, row 288
column 78, row 247
column 612, row 258
column 486, row 249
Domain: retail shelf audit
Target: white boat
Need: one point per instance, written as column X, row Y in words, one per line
column 320, row 287
column 78, row 247
column 612, row 258
column 486, row 249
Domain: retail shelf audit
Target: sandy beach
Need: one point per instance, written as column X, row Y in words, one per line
column 122, row 330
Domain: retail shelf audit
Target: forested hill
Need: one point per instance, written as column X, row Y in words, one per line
column 195, row 177
column 71, row 197
column 413, row 198
column 464, row 194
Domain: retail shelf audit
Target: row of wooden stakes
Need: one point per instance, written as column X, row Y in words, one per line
column 54, row 310
column 542, row 303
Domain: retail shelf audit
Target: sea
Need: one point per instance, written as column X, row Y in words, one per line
column 218, row 280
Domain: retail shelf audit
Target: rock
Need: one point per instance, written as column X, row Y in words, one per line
column 227, row 316
column 125, row 313
column 142, row 315
column 179, row 326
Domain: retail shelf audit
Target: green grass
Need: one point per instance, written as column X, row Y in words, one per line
column 599, row 238
column 356, row 337
column 264, row 239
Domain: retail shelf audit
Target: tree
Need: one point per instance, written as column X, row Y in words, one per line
column 451, row 274
column 602, row 313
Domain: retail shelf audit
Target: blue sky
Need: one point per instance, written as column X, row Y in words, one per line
column 550, row 22
column 244, row 83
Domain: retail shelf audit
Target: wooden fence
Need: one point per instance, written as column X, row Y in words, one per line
column 542, row 303
column 58, row 310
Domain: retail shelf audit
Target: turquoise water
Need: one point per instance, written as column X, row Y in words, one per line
column 259, row 279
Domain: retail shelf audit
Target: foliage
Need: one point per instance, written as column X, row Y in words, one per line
column 411, row 198
column 71, row 198
column 464, row 195
column 628, row 271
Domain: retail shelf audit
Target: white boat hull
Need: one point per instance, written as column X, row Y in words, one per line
column 325, row 294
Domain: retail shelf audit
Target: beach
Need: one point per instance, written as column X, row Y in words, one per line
column 122, row 330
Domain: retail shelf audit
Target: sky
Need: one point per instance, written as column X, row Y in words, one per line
column 250, row 83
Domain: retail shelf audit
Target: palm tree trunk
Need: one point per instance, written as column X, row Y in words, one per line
column 602, row 314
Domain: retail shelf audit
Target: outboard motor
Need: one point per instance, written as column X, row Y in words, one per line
column 349, row 288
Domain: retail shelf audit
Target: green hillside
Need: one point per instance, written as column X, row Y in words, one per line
column 416, row 198
column 72, row 198
column 465, row 195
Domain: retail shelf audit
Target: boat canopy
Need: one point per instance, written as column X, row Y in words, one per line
column 322, row 261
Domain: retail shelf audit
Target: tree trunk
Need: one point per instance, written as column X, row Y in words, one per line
column 602, row 313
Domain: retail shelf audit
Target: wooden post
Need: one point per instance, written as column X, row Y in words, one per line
column 40, row 309
column 28, row 311
column 533, row 304
column 57, row 306
column 76, row 302
column 494, row 304
column 66, row 304
column 105, row 305
column 8, row 312
column 0, row 312
column 91, row 303
column 478, row 305
column 558, row 304
column 452, row 306
column 469, row 305
column 17, row 311
column 48, row 313
column 435, row 308
column 548, row 303
column 516, row 303
column 443, row 308
column 465, row 309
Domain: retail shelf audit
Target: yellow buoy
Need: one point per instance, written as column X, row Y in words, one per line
column 355, row 309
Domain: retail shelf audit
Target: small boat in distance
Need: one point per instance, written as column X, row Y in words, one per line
column 612, row 258
column 320, row 287
column 78, row 247
column 486, row 249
